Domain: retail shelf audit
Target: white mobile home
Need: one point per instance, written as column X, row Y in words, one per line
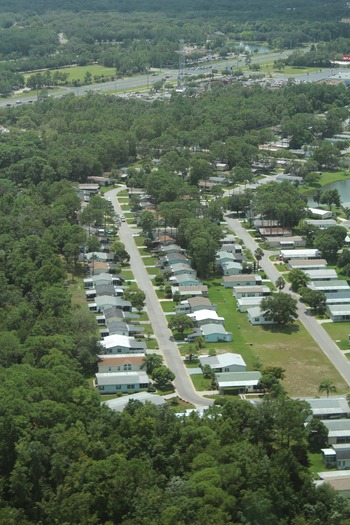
column 251, row 291
column 310, row 253
column 248, row 302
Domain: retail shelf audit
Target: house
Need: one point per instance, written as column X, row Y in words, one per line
column 191, row 291
column 221, row 166
column 107, row 301
column 103, row 289
column 260, row 222
column 338, row 430
column 338, row 313
column 171, row 248
column 339, row 481
column 102, row 278
column 235, row 249
column 118, row 404
column 224, row 256
column 184, row 280
column 113, row 382
column 224, row 362
column 275, row 231
column 230, row 281
column 307, row 264
column 199, row 303
column 256, row 316
column 286, row 242
column 116, row 313
column 231, row 268
column 165, row 240
column 242, row 382
column 338, row 298
column 97, row 268
column 230, row 239
column 182, row 269
column 329, row 407
column 248, row 302
column 251, row 291
column 322, row 224
column 321, row 275
column 120, row 363
column 174, row 258
column 119, row 327
column 338, row 456
column 201, row 317
column 318, row 213
column 215, row 333
column 332, row 286
column 98, row 256
column 121, row 344
column 307, row 253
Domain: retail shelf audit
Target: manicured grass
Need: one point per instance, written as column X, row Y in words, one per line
column 177, row 405
column 77, row 291
column 316, row 464
column 123, row 193
column 326, row 178
column 152, row 270
column 281, row 267
column 144, row 316
column 200, row 383
column 152, row 344
column 139, row 240
column 78, row 72
column 339, row 332
column 289, row 347
column 267, row 67
column 160, row 294
column 124, row 207
column 148, row 261
column 143, row 251
column 128, row 275
column 168, row 306
column 130, row 220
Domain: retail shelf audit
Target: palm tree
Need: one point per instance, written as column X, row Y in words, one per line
column 280, row 283
column 327, row 386
column 258, row 254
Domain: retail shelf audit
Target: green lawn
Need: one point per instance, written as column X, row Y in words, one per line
column 140, row 241
column 124, row 207
column 291, row 348
column 152, row 271
column 144, row 316
column 123, row 193
column 148, row 261
column 152, row 344
column 339, row 332
column 143, row 251
column 200, row 383
column 78, row 72
column 177, row 405
column 316, row 463
column 168, row 306
column 128, row 275
column 327, row 178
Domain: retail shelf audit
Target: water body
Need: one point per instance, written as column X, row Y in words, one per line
column 343, row 186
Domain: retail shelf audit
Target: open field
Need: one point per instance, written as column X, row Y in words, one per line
column 339, row 332
column 79, row 72
column 291, row 348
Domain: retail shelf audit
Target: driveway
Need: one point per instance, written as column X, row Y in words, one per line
column 315, row 329
column 172, row 358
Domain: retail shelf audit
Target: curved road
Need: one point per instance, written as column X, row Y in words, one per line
column 183, row 383
column 315, row 329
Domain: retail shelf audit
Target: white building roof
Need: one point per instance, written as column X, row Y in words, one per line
column 328, row 405
column 201, row 315
column 121, row 340
column 254, row 301
column 121, row 378
column 222, row 360
column 318, row 274
column 309, row 252
column 237, row 379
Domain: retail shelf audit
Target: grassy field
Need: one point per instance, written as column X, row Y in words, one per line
column 316, row 463
column 291, row 348
column 327, row 178
column 140, row 241
column 148, row 261
column 168, row 306
column 128, row 275
column 339, row 332
column 267, row 67
column 200, row 383
column 78, row 72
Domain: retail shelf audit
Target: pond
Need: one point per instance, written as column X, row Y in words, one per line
column 343, row 186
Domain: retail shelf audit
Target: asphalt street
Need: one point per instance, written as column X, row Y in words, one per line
column 172, row 358
column 315, row 329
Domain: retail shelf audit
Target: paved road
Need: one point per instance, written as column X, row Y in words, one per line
column 317, row 332
column 172, row 358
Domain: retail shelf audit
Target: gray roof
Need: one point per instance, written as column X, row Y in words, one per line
column 120, row 403
column 237, row 379
column 213, row 328
column 124, row 341
column 338, row 309
column 243, row 277
column 199, row 301
column 333, row 283
column 328, row 405
column 105, row 289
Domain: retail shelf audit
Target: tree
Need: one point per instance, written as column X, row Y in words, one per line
column 120, row 253
column 280, row 308
column 162, row 376
column 151, row 362
column 331, row 197
column 298, row 279
column 136, row 297
column 326, row 155
column 327, row 245
column 280, row 283
column 176, row 297
column 180, row 323
column 315, row 299
column 258, row 254
column 208, row 372
column 327, row 386
column 316, row 435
